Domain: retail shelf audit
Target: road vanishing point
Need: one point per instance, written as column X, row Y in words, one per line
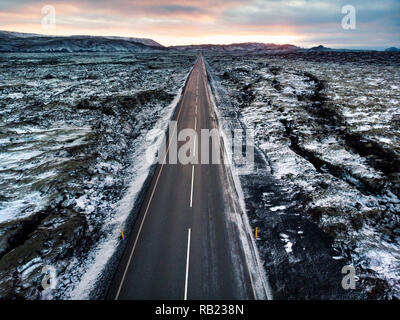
column 186, row 242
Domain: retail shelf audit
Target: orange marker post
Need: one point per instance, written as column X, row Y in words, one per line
column 256, row 233
column 122, row 234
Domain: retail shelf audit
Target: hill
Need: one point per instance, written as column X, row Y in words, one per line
column 28, row 42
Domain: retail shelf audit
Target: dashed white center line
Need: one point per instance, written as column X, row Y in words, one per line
column 191, row 188
column 195, row 137
column 194, row 151
column 187, row 265
column 145, row 214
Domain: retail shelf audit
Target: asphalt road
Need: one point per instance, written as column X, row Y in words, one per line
column 184, row 244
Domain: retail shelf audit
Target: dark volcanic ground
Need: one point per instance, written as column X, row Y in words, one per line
column 72, row 130
column 326, row 189
column 325, row 192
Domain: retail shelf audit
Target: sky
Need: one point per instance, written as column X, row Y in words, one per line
column 305, row 23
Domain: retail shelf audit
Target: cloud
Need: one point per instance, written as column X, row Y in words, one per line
column 178, row 21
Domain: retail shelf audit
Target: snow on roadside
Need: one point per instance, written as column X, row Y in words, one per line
column 259, row 280
column 329, row 129
column 142, row 168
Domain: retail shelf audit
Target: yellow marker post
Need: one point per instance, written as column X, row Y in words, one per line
column 122, row 234
column 256, row 233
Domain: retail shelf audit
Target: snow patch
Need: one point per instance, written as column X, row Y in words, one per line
column 141, row 166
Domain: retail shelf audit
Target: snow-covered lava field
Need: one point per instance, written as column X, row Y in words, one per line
column 72, row 139
column 327, row 132
column 324, row 192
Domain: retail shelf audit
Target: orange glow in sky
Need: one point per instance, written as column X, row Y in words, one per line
column 180, row 22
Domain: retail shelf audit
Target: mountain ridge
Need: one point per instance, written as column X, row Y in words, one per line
column 30, row 42
column 11, row 41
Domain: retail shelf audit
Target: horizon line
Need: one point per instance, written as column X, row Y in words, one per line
column 372, row 48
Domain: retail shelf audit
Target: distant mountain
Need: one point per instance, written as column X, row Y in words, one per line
column 28, row 42
column 247, row 46
column 320, row 48
column 392, row 49
column 12, row 34
column 147, row 42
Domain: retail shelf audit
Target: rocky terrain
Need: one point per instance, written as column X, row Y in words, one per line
column 72, row 138
column 324, row 191
column 327, row 175
column 239, row 47
column 27, row 42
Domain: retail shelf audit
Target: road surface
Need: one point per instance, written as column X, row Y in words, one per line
column 184, row 244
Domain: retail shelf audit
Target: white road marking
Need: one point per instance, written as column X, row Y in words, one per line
column 195, row 137
column 189, row 230
column 191, row 188
column 187, row 265
column 147, row 208
column 194, row 151
column 207, row 93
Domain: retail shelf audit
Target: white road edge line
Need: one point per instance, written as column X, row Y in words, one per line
column 148, row 205
column 195, row 137
column 187, row 265
column 191, row 188
column 207, row 91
